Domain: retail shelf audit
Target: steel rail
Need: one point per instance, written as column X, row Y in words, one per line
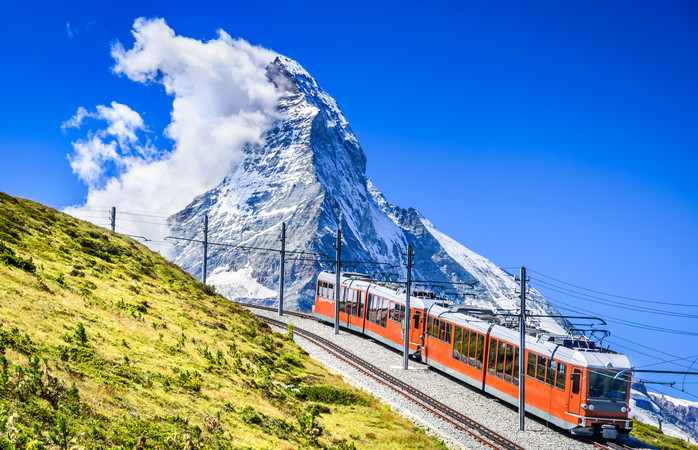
column 458, row 420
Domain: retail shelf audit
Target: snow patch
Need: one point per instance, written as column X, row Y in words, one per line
column 239, row 283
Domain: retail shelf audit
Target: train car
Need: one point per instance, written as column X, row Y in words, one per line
column 569, row 382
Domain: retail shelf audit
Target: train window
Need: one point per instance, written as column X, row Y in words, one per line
column 330, row 292
column 501, row 353
column 395, row 313
column 531, row 368
column 355, row 303
column 319, row 288
column 416, row 316
column 540, row 370
column 480, row 351
column 402, row 312
column 429, row 320
column 391, row 311
column 550, row 376
column 561, row 375
column 493, row 356
column 369, row 301
column 442, row 330
column 384, row 312
column 576, row 378
column 448, row 333
column 342, row 303
column 515, row 374
column 466, row 345
column 374, row 307
column 457, row 339
column 360, row 296
column 509, row 365
column 473, row 347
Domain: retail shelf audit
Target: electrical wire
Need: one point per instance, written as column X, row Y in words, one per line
column 620, row 305
column 616, row 296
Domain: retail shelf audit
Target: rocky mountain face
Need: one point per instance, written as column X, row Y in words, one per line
column 310, row 171
column 675, row 417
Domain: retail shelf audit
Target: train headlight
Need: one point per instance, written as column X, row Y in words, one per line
column 591, row 407
column 624, row 409
column 584, row 406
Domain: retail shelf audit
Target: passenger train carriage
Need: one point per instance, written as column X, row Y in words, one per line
column 569, row 381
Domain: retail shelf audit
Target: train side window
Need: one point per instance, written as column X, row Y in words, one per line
column 493, row 356
column 561, row 375
column 429, row 320
column 369, row 301
column 550, row 375
column 416, row 317
column 501, row 353
column 540, row 371
column 448, row 333
column 515, row 374
column 576, row 379
column 480, row 351
column 375, row 308
column 442, row 330
column 531, row 368
column 474, row 348
column 391, row 309
column 325, row 290
column 402, row 313
column 457, row 339
column 330, row 292
column 342, row 302
column 395, row 314
column 360, row 301
column 384, row 312
column 319, row 288
column 468, row 337
column 355, row 303
column 509, row 364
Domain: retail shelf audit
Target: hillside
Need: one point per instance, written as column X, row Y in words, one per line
column 104, row 344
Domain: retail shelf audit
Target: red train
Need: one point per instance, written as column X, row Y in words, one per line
column 569, row 381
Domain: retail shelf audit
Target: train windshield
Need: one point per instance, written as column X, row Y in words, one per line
column 608, row 385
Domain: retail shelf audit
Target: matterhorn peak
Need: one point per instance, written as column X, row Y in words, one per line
column 309, row 171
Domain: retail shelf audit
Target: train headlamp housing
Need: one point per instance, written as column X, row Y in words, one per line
column 584, row 406
column 591, row 407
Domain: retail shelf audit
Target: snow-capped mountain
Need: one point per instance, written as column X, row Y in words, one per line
column 675, row 417
column 310, row 169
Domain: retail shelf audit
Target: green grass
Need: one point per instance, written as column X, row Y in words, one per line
column 653, row 436
column 104, row 344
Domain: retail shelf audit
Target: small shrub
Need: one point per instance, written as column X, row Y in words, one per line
column 81, row 334
column 328, row 395
column 289, row 332
column 62, row 432
column 8, row 256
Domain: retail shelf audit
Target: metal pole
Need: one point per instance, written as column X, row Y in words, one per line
column 338, row 270
column 113, row 218
column 205, row 247
column 281, row 268
column 408, row 311
column 522, row 351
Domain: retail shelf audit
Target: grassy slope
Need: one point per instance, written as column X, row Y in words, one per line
column 653, row 436
column 163, row 360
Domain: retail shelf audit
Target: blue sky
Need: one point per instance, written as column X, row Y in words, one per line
column 557, row 135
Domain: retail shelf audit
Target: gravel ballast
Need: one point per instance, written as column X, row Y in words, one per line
column 480, row 407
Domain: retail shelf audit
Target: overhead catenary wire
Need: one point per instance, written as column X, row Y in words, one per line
column 693, row 305
column 620, row 305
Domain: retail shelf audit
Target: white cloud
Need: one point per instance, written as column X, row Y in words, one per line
column 222, row 100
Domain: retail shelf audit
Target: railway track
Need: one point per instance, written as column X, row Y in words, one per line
column 458, row 420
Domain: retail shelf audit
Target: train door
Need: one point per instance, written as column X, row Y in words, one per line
column 575, row 391
column 415, row 329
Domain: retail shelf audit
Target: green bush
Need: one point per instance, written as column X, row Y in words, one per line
column 8, row 256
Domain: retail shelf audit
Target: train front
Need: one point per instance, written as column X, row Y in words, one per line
column 604, row 400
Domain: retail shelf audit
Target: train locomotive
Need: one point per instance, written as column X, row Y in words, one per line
column 569, row 381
